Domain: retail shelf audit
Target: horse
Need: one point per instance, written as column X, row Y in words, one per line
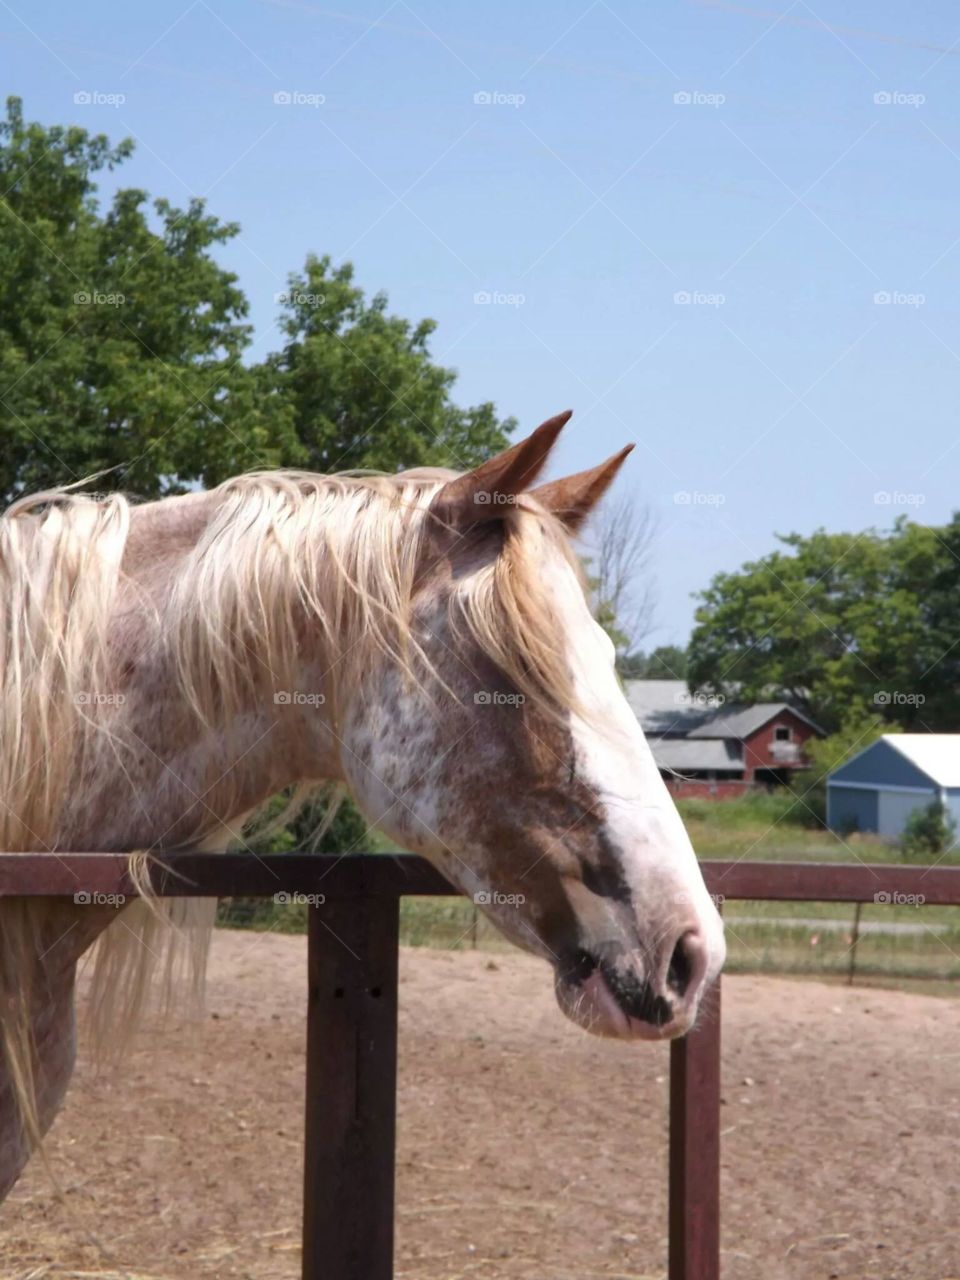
column 423, row 640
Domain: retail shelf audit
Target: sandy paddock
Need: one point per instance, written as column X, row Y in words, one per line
column 527, row 1150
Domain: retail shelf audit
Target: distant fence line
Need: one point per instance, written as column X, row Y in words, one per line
column 847, row 945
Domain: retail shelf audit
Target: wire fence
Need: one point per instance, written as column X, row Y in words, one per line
column 852, row 942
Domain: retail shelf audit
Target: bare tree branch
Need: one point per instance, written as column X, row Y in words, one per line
column 622, row 545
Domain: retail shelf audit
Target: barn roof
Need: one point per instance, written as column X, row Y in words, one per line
column 741, row 721
column 668, row 708
column 934, row 755
column 665, row 706
column 684, row 755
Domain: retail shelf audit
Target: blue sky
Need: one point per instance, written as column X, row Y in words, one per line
column 792, row 173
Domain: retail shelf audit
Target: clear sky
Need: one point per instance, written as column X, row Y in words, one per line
column 784, row 169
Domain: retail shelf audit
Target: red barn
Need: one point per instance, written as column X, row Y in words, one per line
column 706, row 747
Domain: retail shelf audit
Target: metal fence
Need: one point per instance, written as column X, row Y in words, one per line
column 351, row 1061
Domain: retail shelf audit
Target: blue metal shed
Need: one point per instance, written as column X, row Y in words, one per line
column 878, row 788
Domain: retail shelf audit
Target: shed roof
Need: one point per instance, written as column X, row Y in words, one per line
column 935, row 755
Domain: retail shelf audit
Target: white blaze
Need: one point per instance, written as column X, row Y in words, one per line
column 615, row 761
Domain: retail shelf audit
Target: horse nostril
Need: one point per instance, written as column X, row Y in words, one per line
column 681, row 966
column 580, row 967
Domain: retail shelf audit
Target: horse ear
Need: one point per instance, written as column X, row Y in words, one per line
column 573, row 498
column 481, row 494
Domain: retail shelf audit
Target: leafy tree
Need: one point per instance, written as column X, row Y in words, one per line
column 122, row 344
column 119, row 344
column 843, row 625
column 362, row 388
column 939, row 650
column 667, row 662
column 632, row 666
column 928, row 832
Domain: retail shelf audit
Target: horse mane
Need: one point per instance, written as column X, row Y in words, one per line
column 346, row 550
column 60, row 559
column 343, row 552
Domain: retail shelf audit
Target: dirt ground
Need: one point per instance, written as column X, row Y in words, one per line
column 527, row 1150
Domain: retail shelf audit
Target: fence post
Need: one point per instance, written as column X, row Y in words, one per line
column 695, row 1147
column 852, row 965
column 348, row 1205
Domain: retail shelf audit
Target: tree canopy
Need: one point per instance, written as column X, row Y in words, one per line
column 847, row 626
column 665, row 662
column 123, row 345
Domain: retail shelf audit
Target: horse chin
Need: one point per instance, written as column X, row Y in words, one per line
column 592, row 1005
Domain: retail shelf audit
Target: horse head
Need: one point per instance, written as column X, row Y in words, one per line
column 505, row 752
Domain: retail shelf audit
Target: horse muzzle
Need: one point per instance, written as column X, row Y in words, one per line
column 623, row 993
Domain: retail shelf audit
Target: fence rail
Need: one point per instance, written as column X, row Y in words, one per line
column 350, row 1124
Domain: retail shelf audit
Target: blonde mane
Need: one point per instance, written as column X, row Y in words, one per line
column 345, row 552
column 282, row 552
column 340, row 554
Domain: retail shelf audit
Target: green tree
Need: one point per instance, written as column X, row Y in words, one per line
column 928, row 833
column 839, row 624
column 667, row 662
column 361, row 386
column 632, row 666
column 939, row 650
column 120, row 344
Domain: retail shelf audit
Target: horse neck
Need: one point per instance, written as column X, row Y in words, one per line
column 158, row 777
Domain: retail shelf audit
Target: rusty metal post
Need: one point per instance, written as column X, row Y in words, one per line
column 348, row 1204
column 695, row 1148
